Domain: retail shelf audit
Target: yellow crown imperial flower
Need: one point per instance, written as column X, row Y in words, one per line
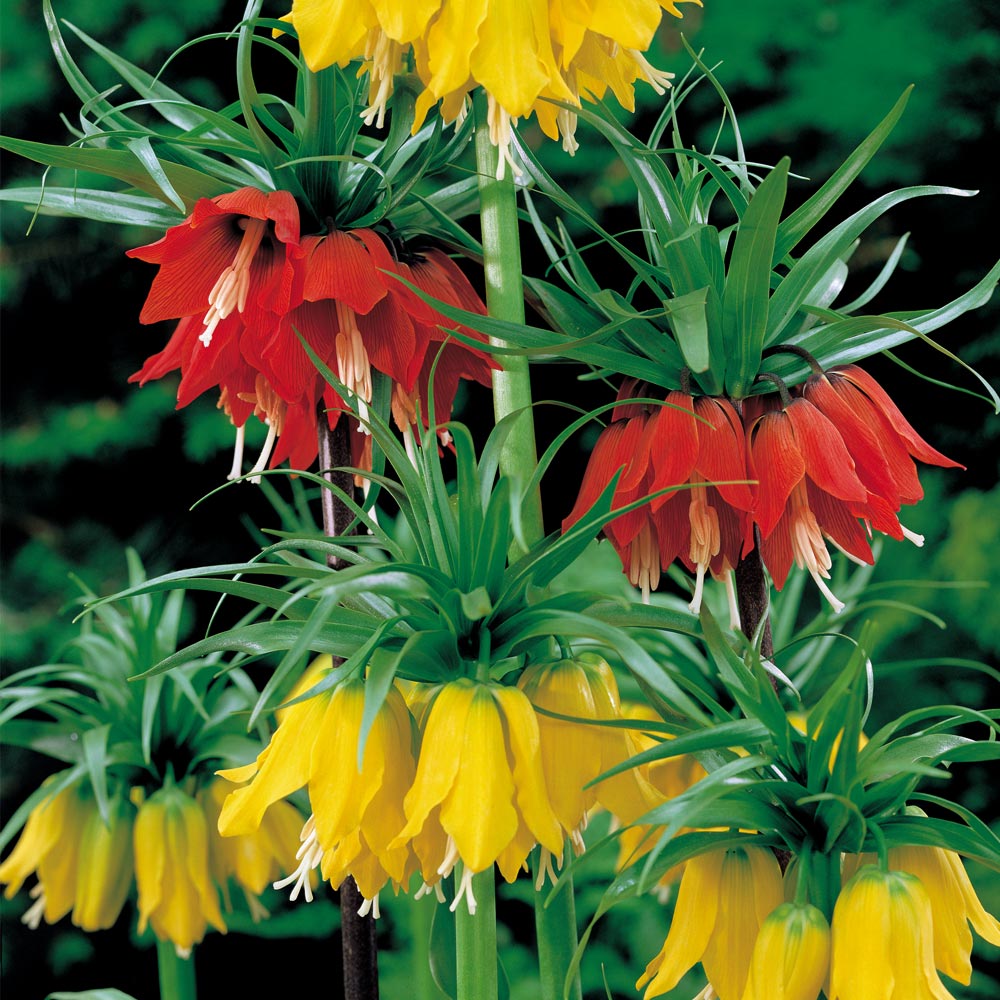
column 573, row 754
column 519, row 51
column 724, row 898
column 177, row 895
column 479, row 779
column 356, row 811
column 256, row 859
column 791, row 957
column 82, row 865
column 883, row 940
column 953, row 901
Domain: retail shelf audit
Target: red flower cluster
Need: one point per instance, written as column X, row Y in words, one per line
column 834, row 464
column 244, row 283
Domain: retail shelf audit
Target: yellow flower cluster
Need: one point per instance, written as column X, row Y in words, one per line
column 491, row 778
column 166, row 843
column 892, row 930
column 523, row 53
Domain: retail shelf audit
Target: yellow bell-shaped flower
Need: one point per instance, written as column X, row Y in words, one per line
column 883, row 940
column 49, row 846
column 104, row 874
column 519, row 51
column 724, row 898
column 791, row 957
column 479, row 779
column 177, row 895
column 574, row 753
column 355, row 810
column 255, row 859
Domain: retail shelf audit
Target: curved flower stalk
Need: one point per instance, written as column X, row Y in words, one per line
column 523, row 55
column 133, row 811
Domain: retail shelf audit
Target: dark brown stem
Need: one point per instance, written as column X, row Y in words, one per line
column 357, row 933
column 752, row 596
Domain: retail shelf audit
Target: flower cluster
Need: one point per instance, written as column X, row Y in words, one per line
column 86, row 863
column 892, row 930
column 491, row 778
column 833, row 463
column 523, row 55
column 246, row 285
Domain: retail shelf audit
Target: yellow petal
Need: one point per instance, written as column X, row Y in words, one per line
column 692, row 925
column 911, row 938
column 403, row 20
column 105, row 875
column 791, row 955
column 332, row 32
column 450, row 41
column 479, row 812
column 860, row 966
column 39, row 837
column 631, row 23
column 149, row 842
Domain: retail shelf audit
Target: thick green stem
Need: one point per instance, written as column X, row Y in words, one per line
column 177, row 980
column 505, row 300
column 421, row 914
column 476, row 942
column 555, row 931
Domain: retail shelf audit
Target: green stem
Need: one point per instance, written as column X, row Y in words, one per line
column 505, row 300
column 421, row 913
column 177, row 980
column 555, row 931
column 476, row 942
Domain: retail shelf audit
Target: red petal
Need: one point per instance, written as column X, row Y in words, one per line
column 776, row 463
column 209, row 366
column 391, row 342
column 776, row 552
column 916, row 445
column 673, row 445
column 722, row 449
column 339, row 266
column 828, row 462
column 673, row 531
column 838, row 521
column 735, row 533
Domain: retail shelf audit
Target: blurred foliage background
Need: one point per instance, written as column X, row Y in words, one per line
column 91, row 464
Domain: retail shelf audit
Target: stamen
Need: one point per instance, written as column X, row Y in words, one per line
column 658, row 79
column 545, row 870
column 353, row 365
column 265, row 453
column 385, row 60
column 576, row 839
column 233, row 284
column 426, row 890
column 912, row 536
column 465, row 889
column 501, row 123
column 32, row 917
column 369, row 906
column 258, row 911
column 847, row 555
column 451, row 858
column 808, row 547
column 182, row 953
column 644, row 563
column 309, row 856
column 566, row 122
column 706, row 540
column 694, row 606
column 734, row 604
column 237, row 468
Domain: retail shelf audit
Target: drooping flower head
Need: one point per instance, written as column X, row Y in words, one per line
column 519, row 51
column 723, row 901
column 791, row 956
column 356, row 811
column 693, row 442
column 574, row 754
column 246, row 285
column 479, row 780
column 883, row 939
column 83, row 865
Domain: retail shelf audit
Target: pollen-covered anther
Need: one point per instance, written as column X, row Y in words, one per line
column 658, row 79
column 231, row 287
column 384, row 59
column 354, row 368
column 644, row 567
column 706, row 540
column 809, row 548
column 501, row 125
column 309, row 855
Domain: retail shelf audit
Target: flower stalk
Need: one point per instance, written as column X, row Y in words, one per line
column 177, row 980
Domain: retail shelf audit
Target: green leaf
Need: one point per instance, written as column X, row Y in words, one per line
column 689, row 321
column 90, row 203
column 95, row 758
column 748, row 283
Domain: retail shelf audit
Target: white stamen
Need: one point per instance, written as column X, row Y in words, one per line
column 699, row 588
column 566, row 121
column 465, row 889
column 545, row 869
column 658, row 79
column 835, row 603
column 426, row 890
column 32, row 917
column 237, row 469
column 182, row 953
column 309, row 855
column 847, row 555
column 451, row 858
column 576, row 839
column 369, row 906
column 384, row 57
column 265, row 453
column 233, row 284
column 501, row 124
column 912, row 536
column 258, row 911
column 734, row 605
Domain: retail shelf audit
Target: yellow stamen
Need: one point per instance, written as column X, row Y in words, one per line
column 658, row 79
column 644, row 570
column 501, row 124
column 385, row 59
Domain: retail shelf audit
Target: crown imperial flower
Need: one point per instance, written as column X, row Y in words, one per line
column 791, row 956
